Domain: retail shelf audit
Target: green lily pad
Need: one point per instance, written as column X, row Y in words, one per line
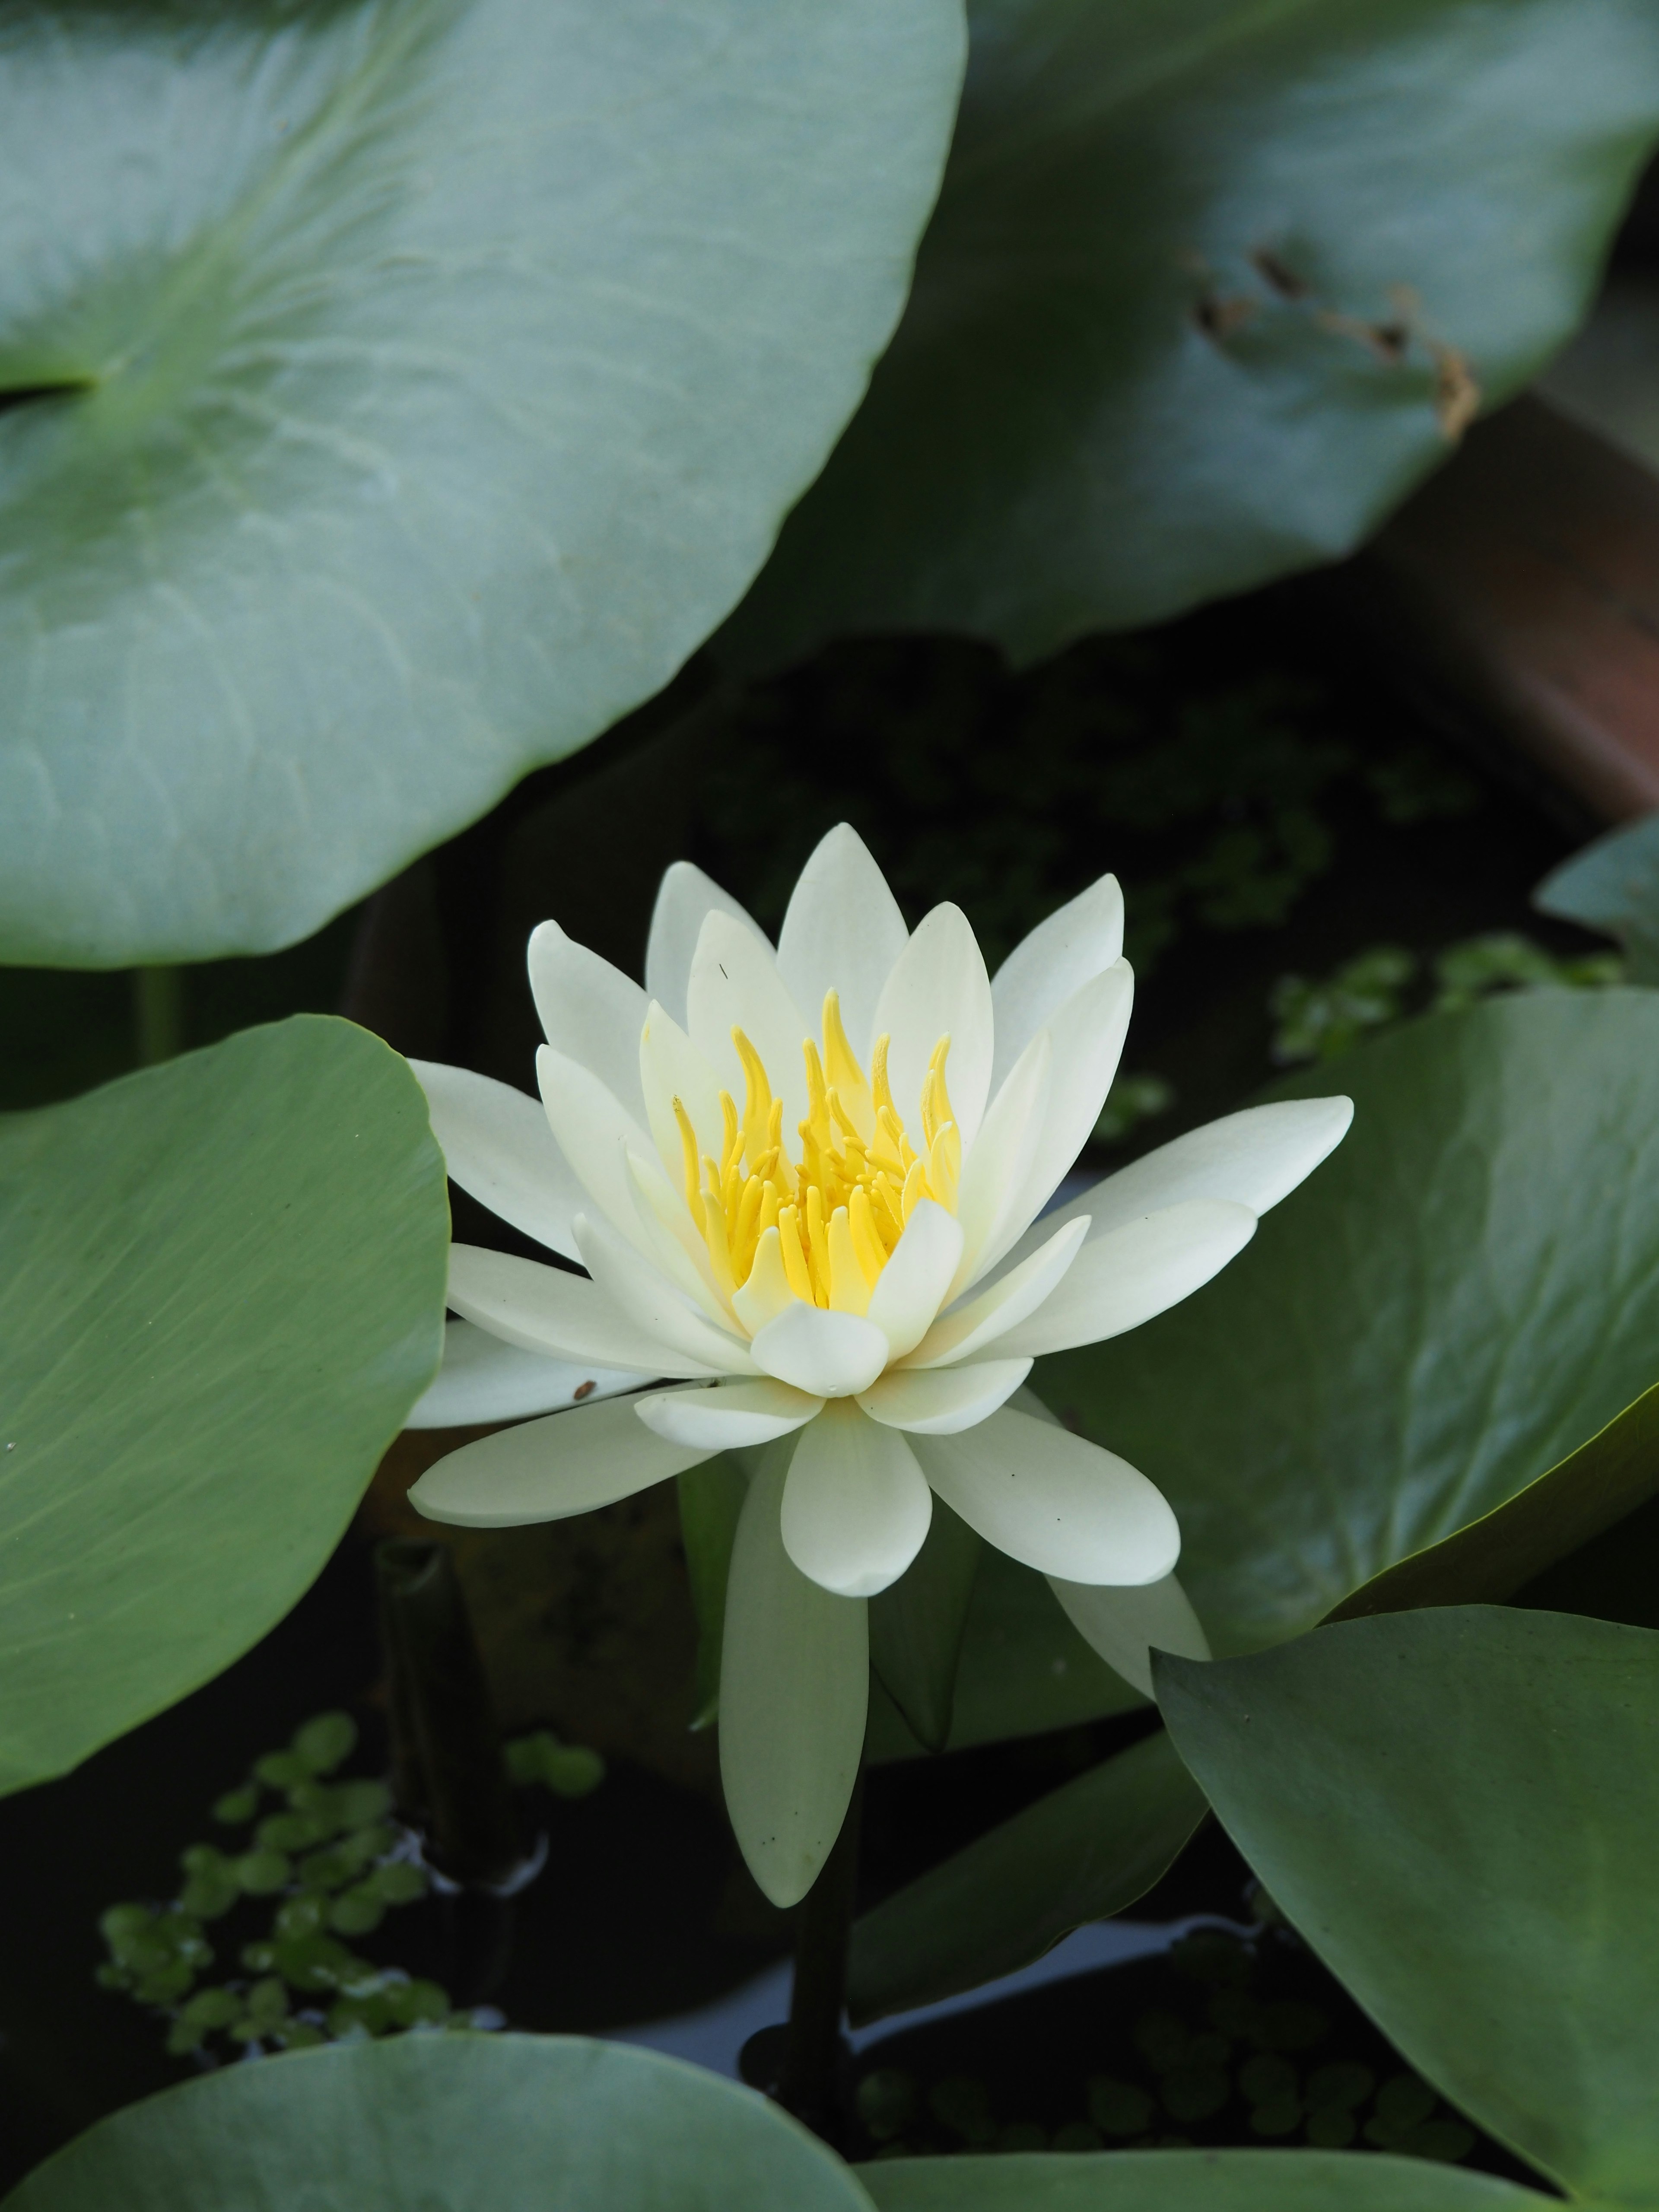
column 1189, row 2181
column 1463, row 1294
column 221, row 1287
column 1458, row 1809
column 1082, row 1853
column 451, row 2124
column 391, row 398
column 1209, row 288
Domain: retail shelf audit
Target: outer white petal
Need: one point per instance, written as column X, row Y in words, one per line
column 938, row 986
column 1254, row 1158
column 685, row 896
column 727, row 1416
column 735, row 984
column 856, row 1506
column 655, row 1307
column 942, row 1402
column 595, row 1133
column 484, row 1378
column 565, row 1317
column 497, row 1146
column 1126, row 1626
column 832, row 1355
column 1053, row 1500
column 590, row 1011
column 843, row 932
column 985, row 1318
column 794, row 1687
column 998, row 1169
column 670, row 1067
column 547, row 1470
column 910, row 1289
column 1087, row 1037
column 1120, row 1279
column 1058, row 958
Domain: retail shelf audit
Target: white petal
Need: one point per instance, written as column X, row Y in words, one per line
column 942, row 1402
column 484, row 1378
column 766, row 1293
column 794, row 1687
column 997, row 1169
column 655, row 1307
column 1254, row 1158
column 910, row 1289
column 831, row 1354
column 843, row 932
column 1058, row 958
column 938, row 986
column 727, row 1416
column 735, row 984
column 1126, row 1626
column 965, row 1331
column 685, row 896
column 1053, row 1500
column 670, row 1066
column 1087, row 1040
column 590, row 1011
column 594, row 1132
column 669, row 1241
column 1120, row 1279
column 545, row 1310
column 856, row 1506
column 547, row 1470
column 497, row 1146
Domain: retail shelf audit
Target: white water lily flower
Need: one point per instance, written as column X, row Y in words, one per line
column 805, row 1186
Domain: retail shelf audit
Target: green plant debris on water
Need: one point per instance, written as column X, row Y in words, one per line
column 329, row 1855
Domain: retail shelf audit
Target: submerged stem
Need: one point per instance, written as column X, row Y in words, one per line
column 158, row 1008
column 810, row 2084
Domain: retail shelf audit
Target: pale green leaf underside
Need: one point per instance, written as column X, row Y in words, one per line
column 1056, row 442
column 1465, row 1292
column 221, row 1288
column 447, row 368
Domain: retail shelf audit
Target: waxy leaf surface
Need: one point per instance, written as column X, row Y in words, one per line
column 1189, row 2181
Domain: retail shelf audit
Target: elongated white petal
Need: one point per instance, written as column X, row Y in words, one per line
column 595, row 1132
column 565, row 1317
column 910, row 1289
column 727, row 1416
column 484, row 1378
column 656, row 1308
column 548, row 1470
column 998, row 1169
column 939, row 988
column 685, row 896
column 735, row 984
column 1058, row 958
column 986, row 1318
column 794, row 1686
column 831, row 1354
column 1120, row 1279
column 1254, row 1158
column 1053, row 1500
column 669, row 1241
column 856, row 1506
column 843, row 932
column 942, row 1402
column 670, row 1067
column 766, row 1293
column 497, row 1146
column 1126, row 1626
column 1086, row 1036
column 590, row 1011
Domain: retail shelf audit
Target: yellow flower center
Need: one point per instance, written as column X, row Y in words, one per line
column 826, row 1224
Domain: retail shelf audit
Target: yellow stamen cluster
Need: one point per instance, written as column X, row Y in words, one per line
column 839, row 1210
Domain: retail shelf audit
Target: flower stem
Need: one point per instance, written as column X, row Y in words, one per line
column 809, row 2082
column 158, row 1007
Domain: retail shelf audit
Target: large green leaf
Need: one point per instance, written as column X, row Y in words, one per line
column 1463, row 1294
column 221, row 1288
column 1614, row 885
column 449, row 2123
column 1160, row 346
column 423, row 379
column 1458, row 1808
column 1082, row 1853
column 1189, row 2181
